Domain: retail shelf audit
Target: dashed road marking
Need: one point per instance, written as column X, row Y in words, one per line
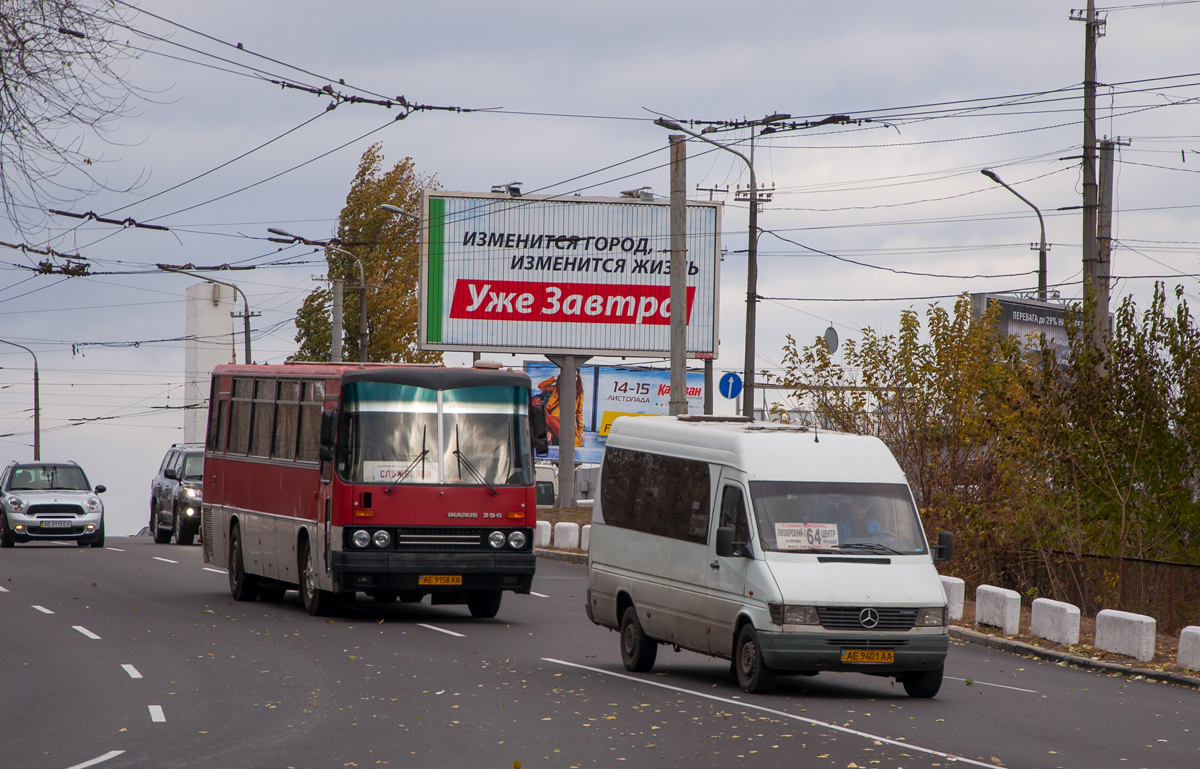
column 216, row 571
column 86, row 632
column 132, row 671
column 42, row 609
column 119, row 550
column 156, row 714
column 441, row 630
column 539, row 595
column 772, row 711
column 164, row 560
column 1001, row 686
column 3, row 590
column 98, row 759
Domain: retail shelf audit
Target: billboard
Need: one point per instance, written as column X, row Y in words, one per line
column 551, row 275
column 1021, row 317
column 602, row 394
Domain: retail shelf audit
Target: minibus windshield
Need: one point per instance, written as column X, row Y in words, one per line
column 795, row 516
column 400, row 434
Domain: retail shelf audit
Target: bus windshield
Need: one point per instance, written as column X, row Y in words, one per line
column 838, row 517
column 472, row 436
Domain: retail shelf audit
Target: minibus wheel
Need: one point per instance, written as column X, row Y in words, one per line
column 922, row 685
column 753, row 674
column 638, row 650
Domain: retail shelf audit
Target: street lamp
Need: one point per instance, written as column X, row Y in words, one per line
column 989, row 173
column 751, row 263
column 245, row 303
column 397, row 210
column 362, row 279
column 37, row 404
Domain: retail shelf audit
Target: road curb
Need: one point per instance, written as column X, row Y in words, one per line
column 577, row 558
column 1019, row 647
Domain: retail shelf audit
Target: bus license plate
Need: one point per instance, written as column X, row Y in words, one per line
column 440, row 579
column 868, row 656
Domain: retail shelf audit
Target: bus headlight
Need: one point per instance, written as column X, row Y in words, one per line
column 382, row 538
column 497, row 539
column 933, row 616
column 517, row 540
column 360, row 538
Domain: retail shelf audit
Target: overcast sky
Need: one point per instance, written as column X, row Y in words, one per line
column 578, row 85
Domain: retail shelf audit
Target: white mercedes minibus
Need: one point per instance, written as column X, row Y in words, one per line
column 784, row 550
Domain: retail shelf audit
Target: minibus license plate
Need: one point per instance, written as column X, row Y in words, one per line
column 869, row 656
column 441, row 579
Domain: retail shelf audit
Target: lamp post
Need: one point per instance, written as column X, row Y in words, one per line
column 246, row 315
column 989, row 173
column 751, row 264
column 37, row 404
column 362, row 279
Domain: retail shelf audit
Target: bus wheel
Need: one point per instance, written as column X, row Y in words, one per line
column 243, row 586
column 753, row 674
column 484, row 604
column 638, row 650
column 318, row 602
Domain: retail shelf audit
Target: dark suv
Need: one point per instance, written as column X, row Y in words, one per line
column 175, row 495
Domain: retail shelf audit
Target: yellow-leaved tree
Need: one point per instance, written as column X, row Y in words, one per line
column 390, row 261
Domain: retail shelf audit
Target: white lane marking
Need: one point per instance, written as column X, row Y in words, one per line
column 119, row 550
column 1001, row 686
column 3, row 590
column 86, row 632
column 164, row 560
column 539, row 595
column 158, row 717
column 780, row 713
column 441, row 630
column 98, row 759
column 132, row 671
column 216, row 571
column 42, row 609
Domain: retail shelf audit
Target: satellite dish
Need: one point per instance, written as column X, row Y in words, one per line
column 831, row 338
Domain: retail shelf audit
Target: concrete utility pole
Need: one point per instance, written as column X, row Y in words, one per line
column 335, row 342
column 678, row 402
column 1093, row 29
column 1104, row 231
column 37, row 403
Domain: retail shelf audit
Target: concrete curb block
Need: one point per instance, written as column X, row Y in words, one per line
column 566, row 535
column 1018, row 647
column 1055, row 621
column 1188, row 657
column 998, row 607
column 955, row 590
column 1126, row 633
column 558, row 555
column 541, row 534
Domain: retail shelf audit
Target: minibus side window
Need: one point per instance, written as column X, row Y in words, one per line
column 733, row 513
column 655, row 494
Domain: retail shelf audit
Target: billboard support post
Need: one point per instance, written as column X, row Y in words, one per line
column 678, row 403
column 708, row 386
column 568, row 370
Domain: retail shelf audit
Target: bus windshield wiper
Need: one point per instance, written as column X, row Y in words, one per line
column 404, row 474
column 463, row 460
column 872, row 546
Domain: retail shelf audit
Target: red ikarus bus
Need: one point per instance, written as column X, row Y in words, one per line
column 394, row 481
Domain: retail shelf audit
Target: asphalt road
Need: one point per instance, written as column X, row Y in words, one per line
column 136, row 656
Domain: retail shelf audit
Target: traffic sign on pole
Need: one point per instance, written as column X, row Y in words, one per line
column 730, row 385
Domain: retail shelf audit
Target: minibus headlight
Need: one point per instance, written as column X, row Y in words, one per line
column 497, row 539
column 793, row 615
column 360, row 538
column 382, row 538
column 933, row 616
column 517, row 540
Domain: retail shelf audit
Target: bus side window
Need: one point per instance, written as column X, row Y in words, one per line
column 239, row 416
column 313, row 399
column 733, row 513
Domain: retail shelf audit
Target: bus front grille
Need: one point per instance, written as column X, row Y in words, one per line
column 441, row 539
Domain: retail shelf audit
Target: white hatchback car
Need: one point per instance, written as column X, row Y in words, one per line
column 49, row 501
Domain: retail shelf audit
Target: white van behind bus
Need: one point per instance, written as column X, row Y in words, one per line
column 784, row 550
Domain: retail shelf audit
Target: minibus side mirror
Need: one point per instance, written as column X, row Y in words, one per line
column 944, row 550
column 328, row 433
column 537, row 423
column 725, row 536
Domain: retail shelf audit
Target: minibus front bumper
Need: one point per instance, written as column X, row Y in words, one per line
column 403, row 572
column 815, row 652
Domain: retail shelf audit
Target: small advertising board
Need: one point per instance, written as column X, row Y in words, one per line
column 604, row 393
column 555, row 275
column 1022, row 317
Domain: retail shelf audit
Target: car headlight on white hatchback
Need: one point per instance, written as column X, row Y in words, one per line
column 15, row 503
column 93, row 504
